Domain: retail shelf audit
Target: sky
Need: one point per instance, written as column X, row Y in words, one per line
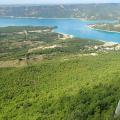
column 56, row 1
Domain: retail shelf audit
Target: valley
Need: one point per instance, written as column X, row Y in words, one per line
column 60, row 62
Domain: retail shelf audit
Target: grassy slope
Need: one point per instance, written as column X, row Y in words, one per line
column 64, row 86
column 80, row 88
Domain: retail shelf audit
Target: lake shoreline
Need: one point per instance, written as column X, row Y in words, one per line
column 65, row 36
column 72, row 18
column 40, row 18
column 69, row 27
column 92, row 27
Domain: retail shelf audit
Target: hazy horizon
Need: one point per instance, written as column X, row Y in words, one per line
column 50, row 2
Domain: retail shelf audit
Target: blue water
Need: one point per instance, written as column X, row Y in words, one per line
column 74, row 27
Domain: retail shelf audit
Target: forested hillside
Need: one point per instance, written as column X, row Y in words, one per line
column 83, row 11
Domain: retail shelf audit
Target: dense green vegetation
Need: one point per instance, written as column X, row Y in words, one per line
column 79, row 88
column 83, row 11
column 69, row 84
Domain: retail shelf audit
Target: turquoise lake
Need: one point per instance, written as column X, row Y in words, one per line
column 74, row 27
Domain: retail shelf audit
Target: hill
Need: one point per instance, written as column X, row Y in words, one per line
column 82, row 11
column 67, row 88
column 57, row 78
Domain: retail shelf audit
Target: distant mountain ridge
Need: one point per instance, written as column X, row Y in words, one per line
column 83, row 11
